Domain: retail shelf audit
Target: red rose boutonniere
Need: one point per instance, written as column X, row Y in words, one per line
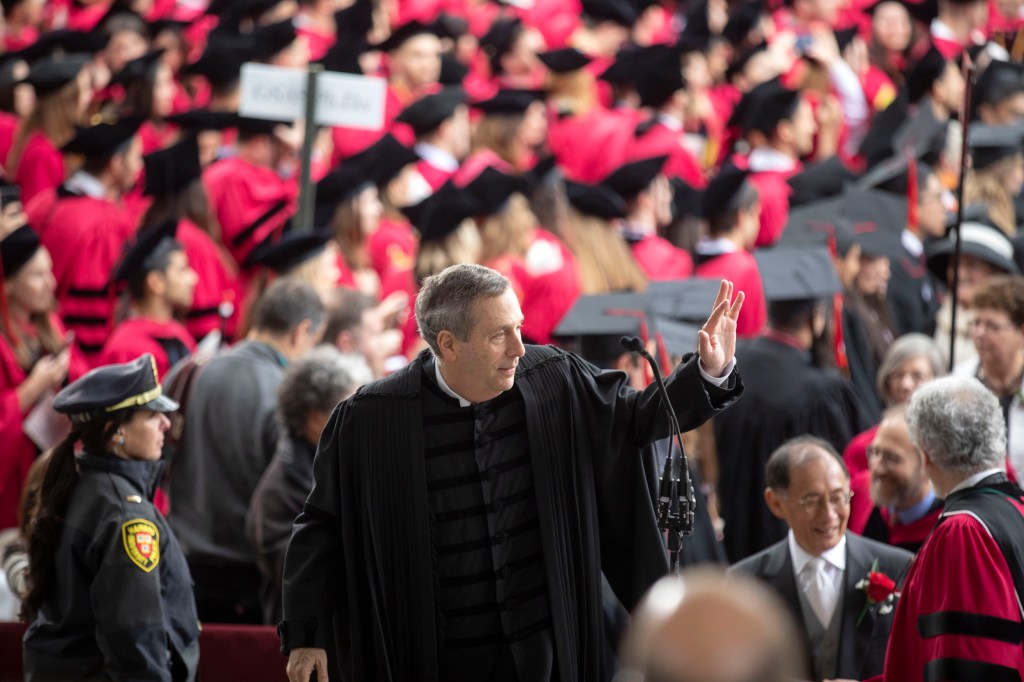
column 880, row 589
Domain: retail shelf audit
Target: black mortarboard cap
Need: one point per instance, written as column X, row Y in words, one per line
column 491, row 188
column 16, row 249
column 928, row 69
column 50, row 74
column 197, row 120
column 820, row 223
column 1000, row 80
column 633, row 178
column 222, row 60
column 170, row 170
column 141, row 255
column 404, row 32
column 617, row 11
column 270, row 39
column 453, row 71
column 595, row 200
column 67, row 42
column 102, row 138
column 628, row 64
column 892, row 175
column 743, row 18
column 992, row 143
column 499, row 38
column 885, row 209
column 845, row 36
column 137, row 69
column 377, row 165
column 596, row 322
column 978, row 239
column 257, row 126
column 354, row 23
column 723, row 191
column 111, row 388
column 510, row 101
column 291, row 249
column 878, row 240
column 687, row 201
column 440, row 214
column 820, row 180
column 742, row 58
column 160, row 25
column 797, row 273
column 660, row 77
column 564, row 60
column 772, row 103
column 430, row 111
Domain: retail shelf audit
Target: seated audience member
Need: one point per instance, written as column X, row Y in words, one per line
column 941, row 625
column 310, row 390
column 906, row 507
column 816, row 570
column 701, row 626
column 230, row 435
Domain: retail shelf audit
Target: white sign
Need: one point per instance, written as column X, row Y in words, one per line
column 279, row 94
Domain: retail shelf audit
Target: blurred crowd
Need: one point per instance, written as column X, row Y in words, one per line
column 855, row 167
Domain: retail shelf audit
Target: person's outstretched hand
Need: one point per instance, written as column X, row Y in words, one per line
column 716, row 340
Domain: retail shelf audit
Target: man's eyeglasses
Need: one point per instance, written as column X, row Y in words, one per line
column 811, row 504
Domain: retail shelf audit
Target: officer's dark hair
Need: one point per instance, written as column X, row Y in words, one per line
column 47, row 516
column 797, row 451
column 286, row 304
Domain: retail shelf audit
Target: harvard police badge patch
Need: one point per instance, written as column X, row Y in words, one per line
column 142, row 543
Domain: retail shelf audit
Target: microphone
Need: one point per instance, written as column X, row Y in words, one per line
column 675, row 515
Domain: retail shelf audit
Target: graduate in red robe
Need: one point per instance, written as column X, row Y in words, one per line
column 440, row 122
column 159, row 284
column 86, row 216
column 732, row 208
column 959, row 615
column 37, row 357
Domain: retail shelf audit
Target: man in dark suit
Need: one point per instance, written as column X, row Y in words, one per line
column 817, row 568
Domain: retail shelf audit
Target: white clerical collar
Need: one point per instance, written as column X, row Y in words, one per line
column 84, row 183
column 766, row 159
column 446, row 388
column 436, row 157
column 835, row 556
column 911, row 243
column 974, row 480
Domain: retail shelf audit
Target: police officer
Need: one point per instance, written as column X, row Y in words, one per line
column 110, row 593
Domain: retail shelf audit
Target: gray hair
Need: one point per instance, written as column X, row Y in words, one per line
column 445, row 301
column 959, row 424
column 320, row 380
column 908, row 347
column 795, row 452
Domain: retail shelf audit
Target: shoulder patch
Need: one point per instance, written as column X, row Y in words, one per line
column 142, row 543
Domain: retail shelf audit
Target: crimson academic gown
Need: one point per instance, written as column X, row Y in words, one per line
column 659, row 258
column 660, row 139
column 392, row 247
column 8, row 126
column 741, row 269
column 774, row 190
column 18, row 451
column 216, row 278
column 76, row 227
column 169, row 342
column 41, row 167
column 249, row 201
column 959, row 616
column 589, row 147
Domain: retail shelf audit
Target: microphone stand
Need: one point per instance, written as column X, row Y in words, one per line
column 675, row 511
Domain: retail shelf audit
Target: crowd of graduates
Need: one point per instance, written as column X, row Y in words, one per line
column 605, row 155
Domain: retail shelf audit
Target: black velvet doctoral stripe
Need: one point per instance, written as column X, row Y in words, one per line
column 456, row 481
column 971, row 625
column 501, row 536
column 497, row 505
column 240, row 238
column 962, row 670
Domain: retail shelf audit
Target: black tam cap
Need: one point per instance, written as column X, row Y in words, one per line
column 291, row 250
column 151, row 244
column 222, row 60
column 429, row 112
column 491, row 188
column 633, row 178
column 103, row 138
column 50, row 74
column 821, row 223
column 270, row 39
column 17, row 249
column 453, row 71
column 595, row 200
column 925, row 72
column 258, row 126
column 440, row 214
column 628, row 64
column 621, row 12
column 510, row 101
column 112, row 388
column 797, row 274
column 1000, row 81
column 724, row 191
column 992, row 143
column 197, row 120
column 500, row 37
column 564, row 60
column 138, row 69
column 170, row 170
column 660, row 75
column 820, row 180
column 407, row 31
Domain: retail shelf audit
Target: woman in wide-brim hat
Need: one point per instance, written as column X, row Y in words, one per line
column 110, row 595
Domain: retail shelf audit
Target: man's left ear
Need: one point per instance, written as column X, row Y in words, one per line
column 446, row 344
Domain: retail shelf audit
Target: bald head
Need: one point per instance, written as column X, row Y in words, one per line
column 704, row 626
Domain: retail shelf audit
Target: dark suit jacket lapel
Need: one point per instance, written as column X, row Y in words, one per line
column 853, row 640
column 778, row 570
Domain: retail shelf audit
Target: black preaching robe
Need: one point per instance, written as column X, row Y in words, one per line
column 786, row 396
column 358, row 572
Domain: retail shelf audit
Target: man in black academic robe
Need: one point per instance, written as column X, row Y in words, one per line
column 360, row 580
